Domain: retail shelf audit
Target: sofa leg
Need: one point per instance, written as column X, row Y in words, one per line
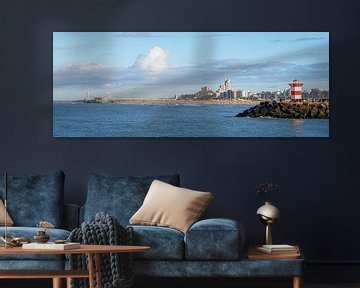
column 297, row 282
column 57, row 283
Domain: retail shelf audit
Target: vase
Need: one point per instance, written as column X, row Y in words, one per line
column 268, row 214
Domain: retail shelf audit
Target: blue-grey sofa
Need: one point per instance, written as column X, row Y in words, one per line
column 32, row 199
column 210, row 248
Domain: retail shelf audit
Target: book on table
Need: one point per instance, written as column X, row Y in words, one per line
column 254, row 253
column 51, row 246
column 278, row 249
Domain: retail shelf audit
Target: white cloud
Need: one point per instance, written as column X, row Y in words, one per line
column 153, row 61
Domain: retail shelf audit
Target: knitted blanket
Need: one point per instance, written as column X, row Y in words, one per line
column 116, row 268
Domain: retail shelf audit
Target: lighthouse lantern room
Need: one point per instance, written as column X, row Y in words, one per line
column 296, row 90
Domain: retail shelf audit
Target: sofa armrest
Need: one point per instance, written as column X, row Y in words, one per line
column 71, row 216
column 215, row 239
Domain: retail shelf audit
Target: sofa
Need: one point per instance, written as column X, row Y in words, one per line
column 209, row 248
column 32, row 199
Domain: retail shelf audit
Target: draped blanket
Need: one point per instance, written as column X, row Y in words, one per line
column 116, row 268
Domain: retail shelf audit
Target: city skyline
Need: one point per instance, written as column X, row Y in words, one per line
column 161, row 64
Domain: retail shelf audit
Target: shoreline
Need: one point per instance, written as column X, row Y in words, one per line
column 165, row 101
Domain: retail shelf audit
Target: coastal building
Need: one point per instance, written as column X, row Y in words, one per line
column 228, row 94
column 225, row 91
column 243, row 94
column 227, row 84
column 296, row 90
column 204, row 93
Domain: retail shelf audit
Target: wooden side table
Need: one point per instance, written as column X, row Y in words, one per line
column 254, row 254
column 93, row 251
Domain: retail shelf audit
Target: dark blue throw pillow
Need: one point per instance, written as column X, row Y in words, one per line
column 35, row 198
column 119, row 196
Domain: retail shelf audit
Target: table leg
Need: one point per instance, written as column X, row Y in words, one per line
column 91, row 270
column 57, row 283
column 297, row 282
column 98, row 270
column 68, row 282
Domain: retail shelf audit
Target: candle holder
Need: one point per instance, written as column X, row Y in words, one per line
column 41, row 237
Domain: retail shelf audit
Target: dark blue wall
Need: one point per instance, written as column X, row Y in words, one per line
column 319, row 188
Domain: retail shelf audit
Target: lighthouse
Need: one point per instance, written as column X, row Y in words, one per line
column 295, row 90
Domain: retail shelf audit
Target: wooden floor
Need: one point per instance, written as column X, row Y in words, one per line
column 338, row 285
column 45, row 283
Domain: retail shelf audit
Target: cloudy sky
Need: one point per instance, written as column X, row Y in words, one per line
column 162, row 64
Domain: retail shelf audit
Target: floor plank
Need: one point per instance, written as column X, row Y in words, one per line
column 46, row 283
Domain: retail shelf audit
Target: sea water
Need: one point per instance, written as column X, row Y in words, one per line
column 76, row 119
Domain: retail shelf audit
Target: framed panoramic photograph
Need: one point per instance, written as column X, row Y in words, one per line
column 191, row 84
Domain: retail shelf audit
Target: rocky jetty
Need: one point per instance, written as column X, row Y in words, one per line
column 288, row 109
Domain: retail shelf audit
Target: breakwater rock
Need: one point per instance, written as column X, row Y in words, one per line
column 290, row 109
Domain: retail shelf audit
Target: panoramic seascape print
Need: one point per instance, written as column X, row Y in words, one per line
column 191, row 84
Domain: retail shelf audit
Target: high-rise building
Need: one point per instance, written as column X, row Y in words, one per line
column 227, row 84
column 243, row 93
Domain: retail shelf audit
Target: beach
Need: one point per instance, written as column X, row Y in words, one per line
column 171, row 101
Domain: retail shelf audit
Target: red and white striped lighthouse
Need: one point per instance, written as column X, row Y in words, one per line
column 295, row 90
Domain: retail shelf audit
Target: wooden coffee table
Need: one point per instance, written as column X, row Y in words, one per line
column 92, row 251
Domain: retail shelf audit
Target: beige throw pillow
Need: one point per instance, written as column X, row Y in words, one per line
column 9, row 221
column 170, row 206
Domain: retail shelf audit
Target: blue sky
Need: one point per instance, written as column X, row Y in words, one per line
column 162, row 64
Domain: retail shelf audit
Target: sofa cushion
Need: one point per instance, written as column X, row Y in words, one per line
column 9, row 221
column 165, row 243
column 169, row 206
column 119, row 196
column 213, row 269
column 29, row 232
column 35, row 198
column 214, row 239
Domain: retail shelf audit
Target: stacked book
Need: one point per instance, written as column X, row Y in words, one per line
column 273, row 252
column 279, row 249
column 51, row 246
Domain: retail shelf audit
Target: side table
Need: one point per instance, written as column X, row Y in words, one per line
column 289, row 259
